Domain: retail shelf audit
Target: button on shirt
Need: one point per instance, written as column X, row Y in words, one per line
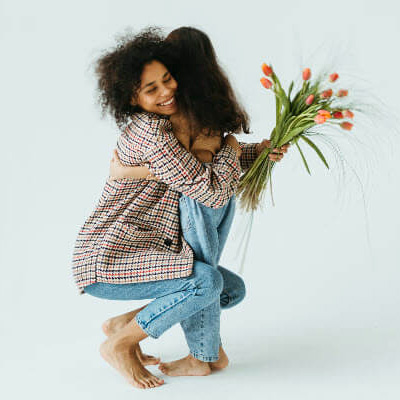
column 133, row 234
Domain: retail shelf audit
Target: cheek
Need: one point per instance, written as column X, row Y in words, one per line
column 174, row 85
column 144, row 102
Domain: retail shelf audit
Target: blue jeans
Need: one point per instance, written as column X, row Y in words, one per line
column 206, row 231
column 174, row 299
column 208, row 288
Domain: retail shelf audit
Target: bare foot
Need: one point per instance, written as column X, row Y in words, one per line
column 187, row 366
column 118, row 352
column 145, row 359
column 113, row 325
column 222, row 362
column 125, row 361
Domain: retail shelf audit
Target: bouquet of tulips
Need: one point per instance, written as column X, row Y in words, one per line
column 296, row 114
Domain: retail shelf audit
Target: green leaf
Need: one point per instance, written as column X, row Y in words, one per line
column 290, row 90
column 317, row 150
column 302, row 156
column 288, row 136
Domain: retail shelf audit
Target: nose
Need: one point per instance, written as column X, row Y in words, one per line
column 167, row 91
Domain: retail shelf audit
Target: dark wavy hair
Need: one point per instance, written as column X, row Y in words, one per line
column 205, row 95
column 119, row 71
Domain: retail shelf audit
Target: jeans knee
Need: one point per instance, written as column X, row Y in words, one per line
column 213, row 282
column 241, row 291
column 234, row 295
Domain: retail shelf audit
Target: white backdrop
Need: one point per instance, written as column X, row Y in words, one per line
column 321, row 317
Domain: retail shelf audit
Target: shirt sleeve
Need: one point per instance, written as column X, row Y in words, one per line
column 213, row 185
column 248, row 156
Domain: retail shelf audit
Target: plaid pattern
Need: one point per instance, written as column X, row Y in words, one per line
column 248, row 156
column 134, row 235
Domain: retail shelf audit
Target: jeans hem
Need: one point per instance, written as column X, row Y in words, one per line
column 204, row 358
column 146, row 329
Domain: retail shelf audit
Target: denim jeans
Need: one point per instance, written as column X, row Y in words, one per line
column 194, row 301
column 174, row 299
column 206, row 230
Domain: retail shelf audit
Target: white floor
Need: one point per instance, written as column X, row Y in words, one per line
column 283, row 351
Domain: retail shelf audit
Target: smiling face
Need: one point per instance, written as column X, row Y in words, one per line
column 157, row 90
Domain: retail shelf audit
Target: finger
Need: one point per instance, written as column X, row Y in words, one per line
column 116, row 156
column 275, row 157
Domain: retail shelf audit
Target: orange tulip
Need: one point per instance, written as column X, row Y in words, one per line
column 319, row 119
column 306, row 74
column 333, row 77
column 346, row 126
column 266, row 83
column 348, row 114
column 326, row 114
column 310, row 99
column 326, row 94
column 342, row 93
column 266, row 69
column 338, row 115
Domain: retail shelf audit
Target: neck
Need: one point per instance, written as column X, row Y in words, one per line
column 179, row 122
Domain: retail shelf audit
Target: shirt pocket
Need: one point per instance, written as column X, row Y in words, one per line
column 124, row 239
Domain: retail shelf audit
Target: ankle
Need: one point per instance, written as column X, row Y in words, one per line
column 196, row 362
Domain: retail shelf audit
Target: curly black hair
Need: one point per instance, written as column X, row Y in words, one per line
column 119, row 71
column 205, row 94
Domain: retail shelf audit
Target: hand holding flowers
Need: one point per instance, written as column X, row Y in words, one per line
column 295, row 116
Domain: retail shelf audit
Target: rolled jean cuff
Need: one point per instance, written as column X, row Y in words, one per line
column 204, row 358
column 146, row 329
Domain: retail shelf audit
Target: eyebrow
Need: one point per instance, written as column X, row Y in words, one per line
column 152, row 83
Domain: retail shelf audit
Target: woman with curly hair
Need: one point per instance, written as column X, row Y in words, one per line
column 130, row 247
column 208, row 108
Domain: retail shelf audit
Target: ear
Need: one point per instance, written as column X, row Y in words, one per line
column 133, row 101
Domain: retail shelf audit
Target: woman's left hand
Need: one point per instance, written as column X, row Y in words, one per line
column 120, row 171
column 277, row 153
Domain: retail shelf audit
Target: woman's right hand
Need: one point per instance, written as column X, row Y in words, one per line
column 231, row 140
column 120, row 171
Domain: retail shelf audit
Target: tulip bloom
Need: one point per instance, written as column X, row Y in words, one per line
column 333, row 77
column 266, row 69
column 326, row 114
column 326, row 94
column 266, row 83
column 306, row 74
column 310, row 99
column 319, row 119
column 342, row 93
column 338, row 115
column 346, row 126
column 348, row 114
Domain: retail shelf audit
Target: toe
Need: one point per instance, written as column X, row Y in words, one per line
column 138, row 384
column 149, row 382
column 157, row 381
column 144, row 382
